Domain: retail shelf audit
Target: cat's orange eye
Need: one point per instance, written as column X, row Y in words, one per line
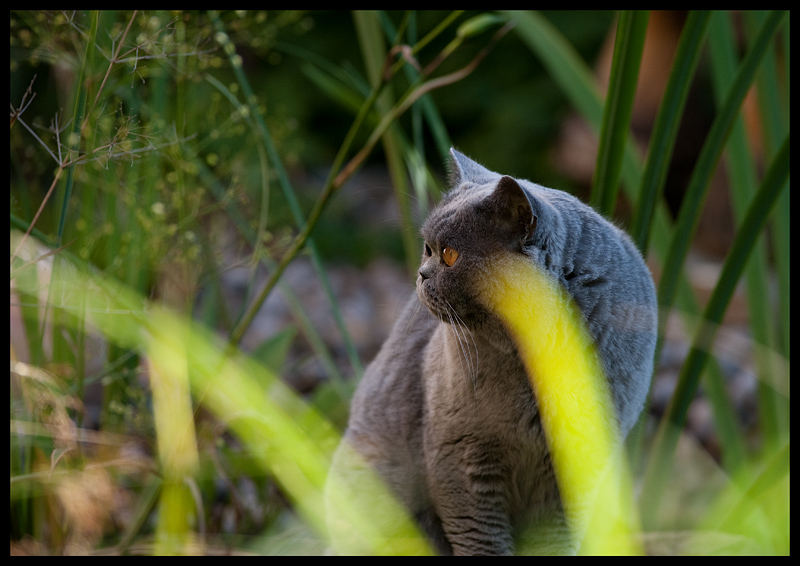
column 449, row 255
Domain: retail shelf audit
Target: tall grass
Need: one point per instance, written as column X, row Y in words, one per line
column 136, row 177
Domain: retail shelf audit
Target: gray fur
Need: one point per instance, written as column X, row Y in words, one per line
column 445, row 413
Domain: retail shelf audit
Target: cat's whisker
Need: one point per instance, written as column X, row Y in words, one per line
column 456, row 323
column 463, row 345
column 474, row 366
column 466, row 328
column 458, row 341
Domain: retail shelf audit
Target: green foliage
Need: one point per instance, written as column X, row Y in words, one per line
column 140, row 141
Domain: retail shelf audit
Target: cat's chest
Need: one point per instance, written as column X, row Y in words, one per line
column 479, row 379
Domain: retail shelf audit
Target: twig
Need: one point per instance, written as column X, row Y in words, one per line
column 408, row 55
column 111, row 63
column 44, row 145
column 22, row 106
column 412, row 97
column 38, row 212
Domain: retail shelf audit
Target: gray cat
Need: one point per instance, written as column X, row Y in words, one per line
column 445, row 413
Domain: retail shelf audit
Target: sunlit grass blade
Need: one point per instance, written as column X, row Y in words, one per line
column 282, row 433
column 575, row 403
column 175, row 433
column 659, row 464
column 665, row 128
column 628, row 47
column 747, row 518
column 753, row 501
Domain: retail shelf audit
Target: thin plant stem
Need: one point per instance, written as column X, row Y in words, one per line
column 332, row 186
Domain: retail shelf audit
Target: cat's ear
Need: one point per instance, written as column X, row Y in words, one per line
column 463, row 169
column 514, row 209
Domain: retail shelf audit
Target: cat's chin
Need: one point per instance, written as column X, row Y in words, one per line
column 433, row 307
column 475, row 319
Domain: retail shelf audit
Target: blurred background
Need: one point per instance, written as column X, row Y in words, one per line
column 181, row 153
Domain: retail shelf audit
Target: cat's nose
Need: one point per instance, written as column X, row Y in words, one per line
column 425, row 271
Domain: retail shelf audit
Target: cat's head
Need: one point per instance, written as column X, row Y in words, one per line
column 483, row 214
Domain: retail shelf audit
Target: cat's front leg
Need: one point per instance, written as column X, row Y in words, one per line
column 471, row 500
column 474, row 536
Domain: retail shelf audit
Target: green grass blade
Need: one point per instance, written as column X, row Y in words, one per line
column 776, row 471
column 563, row 63
column 773, row 99
column 706, row 164
column 781, row 232
column 665, row 128
column 335, row 89
column 743, row 180
column 687, row 220
column 628, row 47
column 675, row 417
column 424, row 111
column 77, row 122
column 576, row 80
column 62, row 350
